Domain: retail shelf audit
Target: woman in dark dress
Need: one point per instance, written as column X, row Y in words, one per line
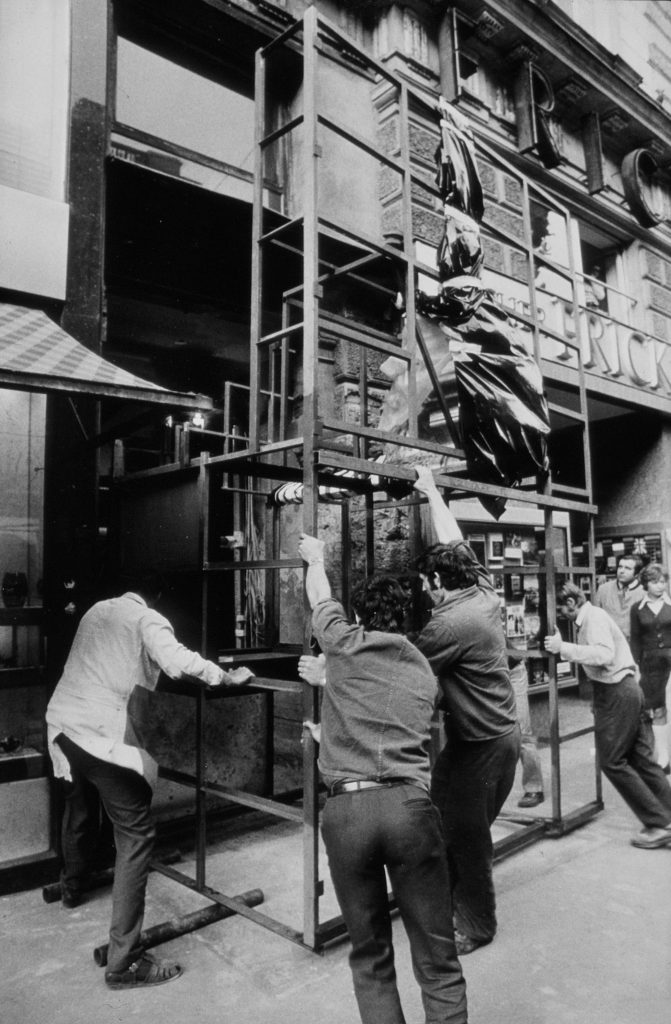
column 651, row 647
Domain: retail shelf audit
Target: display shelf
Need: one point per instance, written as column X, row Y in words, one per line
column 25, row 763
column 26, row 675
column 28, row 615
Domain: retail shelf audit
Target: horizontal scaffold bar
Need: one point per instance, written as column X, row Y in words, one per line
column 258, row 563
column 341, row 427
column 233, row 904
column 336, row 231
column 571, row 414
column 236, row 796
column 282, row 130
column 396, row 472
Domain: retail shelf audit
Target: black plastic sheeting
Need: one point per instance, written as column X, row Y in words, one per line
column 504, row 415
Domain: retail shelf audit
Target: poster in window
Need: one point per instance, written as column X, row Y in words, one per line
column 477, row 543
column 496, row 546
column 515, row 627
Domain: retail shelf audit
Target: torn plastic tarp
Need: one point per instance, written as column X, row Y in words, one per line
column 504, row 417
column 457, row 175
column 460, row 257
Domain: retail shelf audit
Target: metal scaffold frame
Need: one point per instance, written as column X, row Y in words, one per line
column 309, row 450
column 319, row 458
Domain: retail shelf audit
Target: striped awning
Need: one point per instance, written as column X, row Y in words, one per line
column 38, row 355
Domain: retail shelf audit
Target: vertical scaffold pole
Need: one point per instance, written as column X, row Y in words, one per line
column 311, row 155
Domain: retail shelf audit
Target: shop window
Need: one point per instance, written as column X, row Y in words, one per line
column 515, row 558
column 34, row 43
column 645, row 545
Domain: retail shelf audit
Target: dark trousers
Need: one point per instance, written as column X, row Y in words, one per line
column 126, row 797
column 625, row 745
column 398, row 828
column 470, row 783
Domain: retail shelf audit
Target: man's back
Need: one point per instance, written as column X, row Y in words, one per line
column 378, row 702
column 121, row 643
column 465, row 646
column 108, row 657
column 602, row 648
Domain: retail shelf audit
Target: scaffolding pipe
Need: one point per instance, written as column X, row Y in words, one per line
column 177, row 926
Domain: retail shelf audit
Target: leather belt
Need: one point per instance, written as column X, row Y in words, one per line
column 355, row 787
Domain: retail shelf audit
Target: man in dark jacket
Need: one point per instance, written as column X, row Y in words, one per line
column 475, row 771
column 377, row 707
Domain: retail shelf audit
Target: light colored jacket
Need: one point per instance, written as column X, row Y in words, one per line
column 121, row 643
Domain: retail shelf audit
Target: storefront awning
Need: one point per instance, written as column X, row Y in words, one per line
column 37, row 355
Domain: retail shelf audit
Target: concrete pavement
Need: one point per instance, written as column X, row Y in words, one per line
column 584, row 938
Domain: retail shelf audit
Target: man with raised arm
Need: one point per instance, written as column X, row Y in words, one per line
column 475, row 771
column 378, row 701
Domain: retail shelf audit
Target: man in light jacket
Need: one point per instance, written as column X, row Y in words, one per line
column 120, row 644
column 622, row 728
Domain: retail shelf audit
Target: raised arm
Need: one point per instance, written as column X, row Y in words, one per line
column 317, row 586
column 444, row 523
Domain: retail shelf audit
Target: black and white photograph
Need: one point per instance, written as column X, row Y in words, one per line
column 335, row 511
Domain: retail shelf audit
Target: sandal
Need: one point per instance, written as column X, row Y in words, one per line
column 144, row 971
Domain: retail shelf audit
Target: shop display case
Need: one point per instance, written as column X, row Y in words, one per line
column 25, row 805
column 514, row 554
column 642, row 539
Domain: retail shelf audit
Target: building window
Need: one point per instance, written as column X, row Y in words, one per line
column 167, row 101
column 34, row 68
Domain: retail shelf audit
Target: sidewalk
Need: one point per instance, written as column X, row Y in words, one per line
column 584, row 938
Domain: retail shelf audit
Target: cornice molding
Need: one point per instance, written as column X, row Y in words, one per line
column 546, row 25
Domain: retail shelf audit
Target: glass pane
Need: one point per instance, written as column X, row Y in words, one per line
column 549, row 233
column 21, row 495
column 34, row 95
column 183, row 107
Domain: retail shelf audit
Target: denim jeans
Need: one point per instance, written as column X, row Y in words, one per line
column 398, row 828
column 470, row 784
column 126, row 797
column 625, row 744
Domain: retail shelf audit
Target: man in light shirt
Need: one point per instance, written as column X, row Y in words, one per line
column 622, row 728
column 618, row 596
column 120, row 643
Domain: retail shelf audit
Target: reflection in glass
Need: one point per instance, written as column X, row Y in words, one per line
column 183, row 107
column 33, row 95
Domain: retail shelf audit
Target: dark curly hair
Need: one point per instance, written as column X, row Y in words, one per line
column 381, row 603
column 455, row 564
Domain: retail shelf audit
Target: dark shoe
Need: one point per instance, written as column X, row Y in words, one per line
column 531, row 799
column 141, row 973
column 465, row 944
column 652, row 838
column 667, row 769
column 71, row 898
